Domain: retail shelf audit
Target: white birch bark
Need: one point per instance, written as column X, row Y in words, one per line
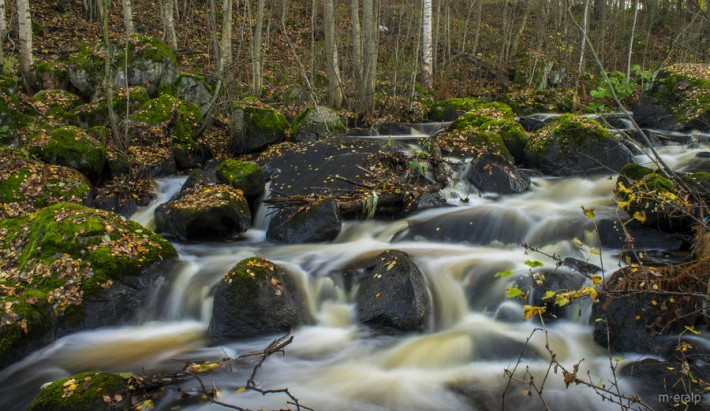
column 427, row 51
column 128, row 17
column 25, row 34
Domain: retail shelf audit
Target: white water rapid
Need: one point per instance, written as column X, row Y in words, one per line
column 336, row 364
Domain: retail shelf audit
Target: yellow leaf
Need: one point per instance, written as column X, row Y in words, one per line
column 548, row 295
column 529, row 311
column 596, row 279
column 640, row 216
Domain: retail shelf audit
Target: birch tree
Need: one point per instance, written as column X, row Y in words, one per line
column 631, row 40
column 167, row 14
column 225, row 55
column 128, row 17
column 427, row 52
column 585, row 20
column 335, row 94
column 256, row 54
column 24, row 21
column 3, row 30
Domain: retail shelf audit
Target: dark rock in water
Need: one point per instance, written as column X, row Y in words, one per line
column 199, row 177
column 318, row 222
column 429, row 200
column 650, row 134
column 701, row 163
column 255, row 298
column 394, row 129
column 557, row 281
column 497, row 174
column 534, row 122
column 243, row 175
column 580, row 266
column 395, row 295
column 642, row 238
column 316, row 124
column 666, row 384
column 509, row 312
column 613, row 120
column 189, row 156
column 573, row 145
column 361, row 132
column 649, row 115
column 631, row 320
column 204, row 212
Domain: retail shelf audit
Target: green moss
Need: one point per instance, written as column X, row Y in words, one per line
column 529, row 101
column 263, row 120
column 687, row 96
column 243, row 175
column 55, row 103
column 248, row 274
column 569, row 131
column 84, row 392
column 150, row 48
column 72, row 147
column 52, row 68
column 164, row 109
column 443, row 109
column 482, row 113
column 88, row 59
column 634, row 172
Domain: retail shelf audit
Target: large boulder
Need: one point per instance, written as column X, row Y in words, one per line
column 528, row 101
column 194, row 88
column 317, row 222
column 243, row 175
column 55, row 103
column 255, row 298
column 88, row 391
column 497, row 174
column 666, row 385
column 28, row 185
column 394, row 296
column 451, row 109
column 253, row 128
column 204, row 212
column 316, row 123
column 678, row 100
column 95, row 113
column 69, row 146
column 574, row 145
column 467, row 137
column 147, row 62
column 68, row 268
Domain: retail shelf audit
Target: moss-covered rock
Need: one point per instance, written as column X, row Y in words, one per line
column 530, row 101
column 243, row 175
column 52, row 75
column 69, row 146
column 466, row 136
column 683, row 90
column 316, row 123
column 27, row 185
column 179, row 117
column 205, row 212
column 12, row 115
column 192, row 88
column 514, row 136
column 572, row 145
column 92, row 267
column 95, row 114
column 55, row 103
column 150, row 63
column 253, row 128
column 88, row 391
column 255, row 298
column 451, row 109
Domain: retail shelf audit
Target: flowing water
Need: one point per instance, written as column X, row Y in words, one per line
column 335, row 364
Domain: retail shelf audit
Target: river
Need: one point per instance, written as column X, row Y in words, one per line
column 334, row 363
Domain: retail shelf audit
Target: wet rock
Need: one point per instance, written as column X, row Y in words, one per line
column 93, row 267
column 535, row 122
column 582, row 267
column 497, row 174
column 253, row 128
column 573, row 145
column 451, row 109
column 394, row 296
column 482, row 130
column 204, row 212
column 316, row 124
column 394, row 129
column 84, row 392
column 664, row 384
column 642, row 238
column 317, row 222
column 556, row 281
column 194, row 89
column 255, row 298
column 243, row 175
column 701, row 163
column 199, row 177
column 430, row 200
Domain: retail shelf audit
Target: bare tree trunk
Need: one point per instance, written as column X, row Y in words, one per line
column 225, row 54
column 108, row 87
column 256, row 55
column 585, row 19
column 521, row 28
column 357, row 43
column 168, row 16
column 128, row 17
column 427, row 69
column 631, row 40
column 212, row 21
column 24, row 21
column 478, row 26
column 370, row 17
column 3, row 30
column 335, row 93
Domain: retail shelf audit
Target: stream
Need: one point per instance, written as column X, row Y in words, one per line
column 336, row 364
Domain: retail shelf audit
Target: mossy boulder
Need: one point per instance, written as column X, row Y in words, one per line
column 95, row 113
column 205, row 212
column 394, row 296
column 253, row 128
column 256, row 297
column 150, row 63
column 530, row 101
column 70, row 146
column 575, row 145
column 316, row 123
column 52, row 75
column 94, row 268
column 88, row 391
column 243, row 175
column 194, row 89
column 318, row 222
column 466, row 136
column 678, row 99
column 514, row 136
column 55, row 103
column 12, row 112
column 451, row 109
column 27, row 185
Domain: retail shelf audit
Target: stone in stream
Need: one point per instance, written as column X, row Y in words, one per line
column 394, row 296
column 87, row 391
column 256, row 297
column 317, row 123
column 497, row 174
column 316, row 222
column 243, row 175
